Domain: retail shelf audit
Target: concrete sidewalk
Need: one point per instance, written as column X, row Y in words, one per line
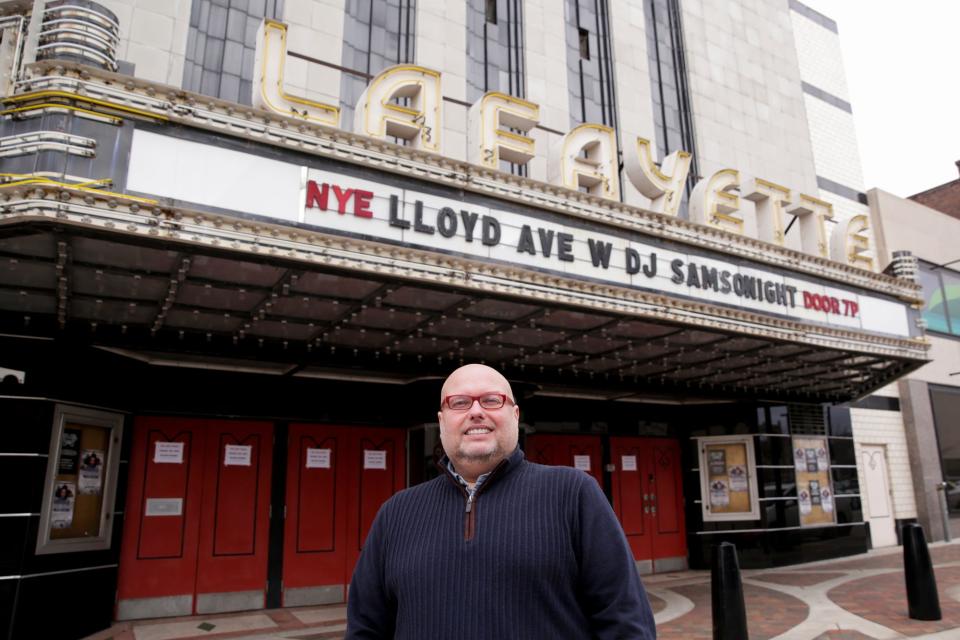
column 852, row 598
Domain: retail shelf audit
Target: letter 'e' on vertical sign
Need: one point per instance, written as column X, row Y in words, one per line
column 403, row 101
column 498, row 124
column 813, row 214
column 663, row 184
column 771, row 201
column 850, row 244
column 268, row 93
column 587, row 158
column 713, row 202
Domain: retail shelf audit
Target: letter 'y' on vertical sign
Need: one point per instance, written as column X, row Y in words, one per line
column 664, row 184
column 712, row 202
column 850, row 244
column 491, row 118
column 587, row 157
column 268, row 90
column 813, row 214
column 770, row 200
column 403, row 101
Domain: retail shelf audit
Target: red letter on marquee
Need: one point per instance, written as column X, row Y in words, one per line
column 343, row 197
column 317, row 197
column 361, row 203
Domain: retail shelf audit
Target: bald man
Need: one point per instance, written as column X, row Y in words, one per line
column 496, row 546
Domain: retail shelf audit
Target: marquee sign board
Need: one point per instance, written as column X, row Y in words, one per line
column 386, row 211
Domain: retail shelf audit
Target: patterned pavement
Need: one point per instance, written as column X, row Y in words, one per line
column 859, row 598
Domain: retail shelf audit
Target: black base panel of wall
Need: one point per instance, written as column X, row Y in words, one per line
column 66, row 606
column 764, row 549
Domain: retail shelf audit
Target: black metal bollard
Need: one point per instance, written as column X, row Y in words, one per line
column 726, row 592
column 922, row 599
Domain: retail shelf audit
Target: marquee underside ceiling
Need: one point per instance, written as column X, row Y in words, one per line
column 189, row 306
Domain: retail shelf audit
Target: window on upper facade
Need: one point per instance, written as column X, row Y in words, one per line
column 221, row 45
column 589, row 65
column 941, row 296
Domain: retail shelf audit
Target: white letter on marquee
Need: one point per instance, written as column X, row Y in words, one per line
column 268, row 90
column 663, row 185
column 488, row 142
column 712, row 202
column 378, row 115
column 770, row 200
column 598, row 171
column 850, row 245
column 813, row 214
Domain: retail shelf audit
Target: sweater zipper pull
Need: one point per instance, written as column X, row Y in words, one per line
column 469, row 503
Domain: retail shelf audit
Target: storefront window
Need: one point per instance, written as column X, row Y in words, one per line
column 729, row 479
column 811, row 460
column 935, row 301
column 81, row 477
column 946, row 416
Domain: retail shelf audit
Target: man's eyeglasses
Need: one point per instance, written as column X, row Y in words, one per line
column 461, row 402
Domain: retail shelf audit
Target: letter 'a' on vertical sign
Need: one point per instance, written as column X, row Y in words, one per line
column 403, row 101
column 587, row 158
column 663, row 184
column 813, row 214
column 713, row 204
column 268, row 90
column 771, row 201
column 850, row 244
column 498, row 123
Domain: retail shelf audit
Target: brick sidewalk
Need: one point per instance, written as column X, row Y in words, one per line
column 816, row 601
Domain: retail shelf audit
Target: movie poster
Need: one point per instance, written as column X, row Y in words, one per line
column 719, row 493
column 738, row 478
column 91, row 471
column 61, row 514
column 69, row 452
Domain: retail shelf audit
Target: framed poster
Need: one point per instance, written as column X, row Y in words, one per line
column 814, row 489
column 728, row 478
column 81, row 479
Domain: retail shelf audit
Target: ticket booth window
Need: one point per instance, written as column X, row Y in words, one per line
column 811, row 460
column 81, row 478
column 728, row 479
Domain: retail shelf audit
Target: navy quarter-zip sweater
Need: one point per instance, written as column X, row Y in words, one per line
column 539, row 553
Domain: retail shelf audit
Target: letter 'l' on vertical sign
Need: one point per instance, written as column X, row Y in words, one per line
column 268, row 93
column 850, row 244
column 664, row 184
column 587, row 158
column 713, row 204
column 381, row 110
column 490, row 140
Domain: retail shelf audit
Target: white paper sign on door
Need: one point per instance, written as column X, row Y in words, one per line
column 804, row 499
column 628, row 463
column 581, row 462
column 318, row 458
column 374, row 459
column 237, row 455
column 826, row 500
column 168, row 453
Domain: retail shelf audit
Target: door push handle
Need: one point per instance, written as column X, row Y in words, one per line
column 653, row 510
column 646, row 509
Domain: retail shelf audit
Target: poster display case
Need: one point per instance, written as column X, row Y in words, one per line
column 811, row 461
column 728, row 479
column 81, row 480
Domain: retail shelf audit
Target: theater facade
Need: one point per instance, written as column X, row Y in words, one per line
column 232, row 323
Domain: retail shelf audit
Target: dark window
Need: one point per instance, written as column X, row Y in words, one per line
column 221, row 45
column 672, row 113
column 945, row 402
column 376, row 34
column 589, row 63
column 495, row 53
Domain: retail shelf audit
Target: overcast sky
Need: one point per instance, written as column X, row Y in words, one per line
column 903, row 70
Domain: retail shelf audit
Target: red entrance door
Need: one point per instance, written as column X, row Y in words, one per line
column 581, row 451
column 337, row 478
column 197, row 518
column 648, row 499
